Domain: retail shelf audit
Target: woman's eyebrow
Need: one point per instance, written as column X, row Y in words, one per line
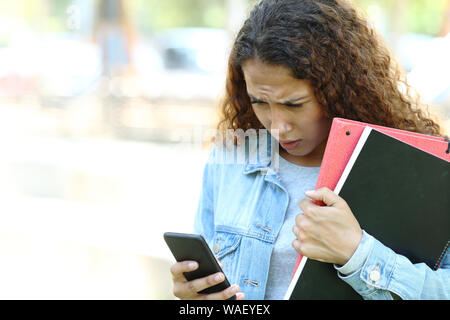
column 293, row 101
column 286, row 102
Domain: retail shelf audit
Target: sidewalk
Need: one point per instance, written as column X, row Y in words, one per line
column 90, row 202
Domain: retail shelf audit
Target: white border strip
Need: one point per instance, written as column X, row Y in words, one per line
column 294, row 280
column 351, row 162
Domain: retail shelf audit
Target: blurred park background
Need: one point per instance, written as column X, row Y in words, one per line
column 106, row 109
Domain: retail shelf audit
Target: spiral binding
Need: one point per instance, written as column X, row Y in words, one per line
column 438, row 262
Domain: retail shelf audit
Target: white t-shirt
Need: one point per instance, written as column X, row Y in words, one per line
column 296, row 180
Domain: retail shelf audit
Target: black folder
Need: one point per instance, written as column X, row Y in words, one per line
column 401, row 196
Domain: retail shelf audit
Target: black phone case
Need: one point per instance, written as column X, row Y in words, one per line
column 193, row 247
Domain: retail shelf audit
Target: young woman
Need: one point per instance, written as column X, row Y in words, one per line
column 294, row 65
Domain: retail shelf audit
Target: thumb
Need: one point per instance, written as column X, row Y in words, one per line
column 325, row 195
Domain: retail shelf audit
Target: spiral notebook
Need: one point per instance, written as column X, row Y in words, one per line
column 399, row 194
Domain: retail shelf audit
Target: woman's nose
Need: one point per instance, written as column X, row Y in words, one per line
column 280, row 122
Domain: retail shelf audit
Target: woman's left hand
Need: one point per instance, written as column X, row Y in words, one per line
column 328, row 233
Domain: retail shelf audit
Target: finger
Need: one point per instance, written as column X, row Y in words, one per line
column 302, row 228
column 309, row 208
column 302, row 223
column 325, row 195
column 295, row 230
column 297, row 246
column 303, row 248
column 240, row 296
column 179, row 268
column 200, row 284
column 305, row 203
column 224, row 294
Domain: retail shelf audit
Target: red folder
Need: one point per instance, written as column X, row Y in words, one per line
column 345, row 134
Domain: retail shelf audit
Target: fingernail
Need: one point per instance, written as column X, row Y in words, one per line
column 218, row 277
column 310, row 192
column 192, row 265
column 235, row 288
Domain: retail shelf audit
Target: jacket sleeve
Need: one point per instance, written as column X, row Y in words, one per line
column 377, row 272
column 204, row 217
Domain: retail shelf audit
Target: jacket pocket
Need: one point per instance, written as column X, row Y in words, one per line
column 226, row 247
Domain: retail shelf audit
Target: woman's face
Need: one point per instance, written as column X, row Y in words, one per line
column 283, row 102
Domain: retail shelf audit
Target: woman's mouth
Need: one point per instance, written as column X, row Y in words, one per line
column 290, row 145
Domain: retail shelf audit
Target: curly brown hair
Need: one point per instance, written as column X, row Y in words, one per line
column 330, row 44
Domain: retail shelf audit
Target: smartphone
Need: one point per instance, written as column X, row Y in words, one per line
column 186, row 246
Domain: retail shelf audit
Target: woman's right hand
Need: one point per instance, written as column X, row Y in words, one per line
column 184, row 289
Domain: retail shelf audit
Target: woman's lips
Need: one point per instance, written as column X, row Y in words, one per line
column 290, row 145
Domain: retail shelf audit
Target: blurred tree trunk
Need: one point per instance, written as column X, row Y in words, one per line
column 114, row 32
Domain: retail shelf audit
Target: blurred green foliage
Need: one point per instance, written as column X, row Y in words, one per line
column 152, row 15
column 418, row 16
column 425, row 16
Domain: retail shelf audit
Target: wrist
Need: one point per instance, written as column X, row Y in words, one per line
column 351, row 248
column 359, row 257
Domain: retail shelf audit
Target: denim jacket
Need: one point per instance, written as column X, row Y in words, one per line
column 241, row 210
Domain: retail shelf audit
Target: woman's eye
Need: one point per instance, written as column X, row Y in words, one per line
column 295, row 105
column 289, row 105
column 258, row 103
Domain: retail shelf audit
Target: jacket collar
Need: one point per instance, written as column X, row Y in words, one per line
column 266, row 161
